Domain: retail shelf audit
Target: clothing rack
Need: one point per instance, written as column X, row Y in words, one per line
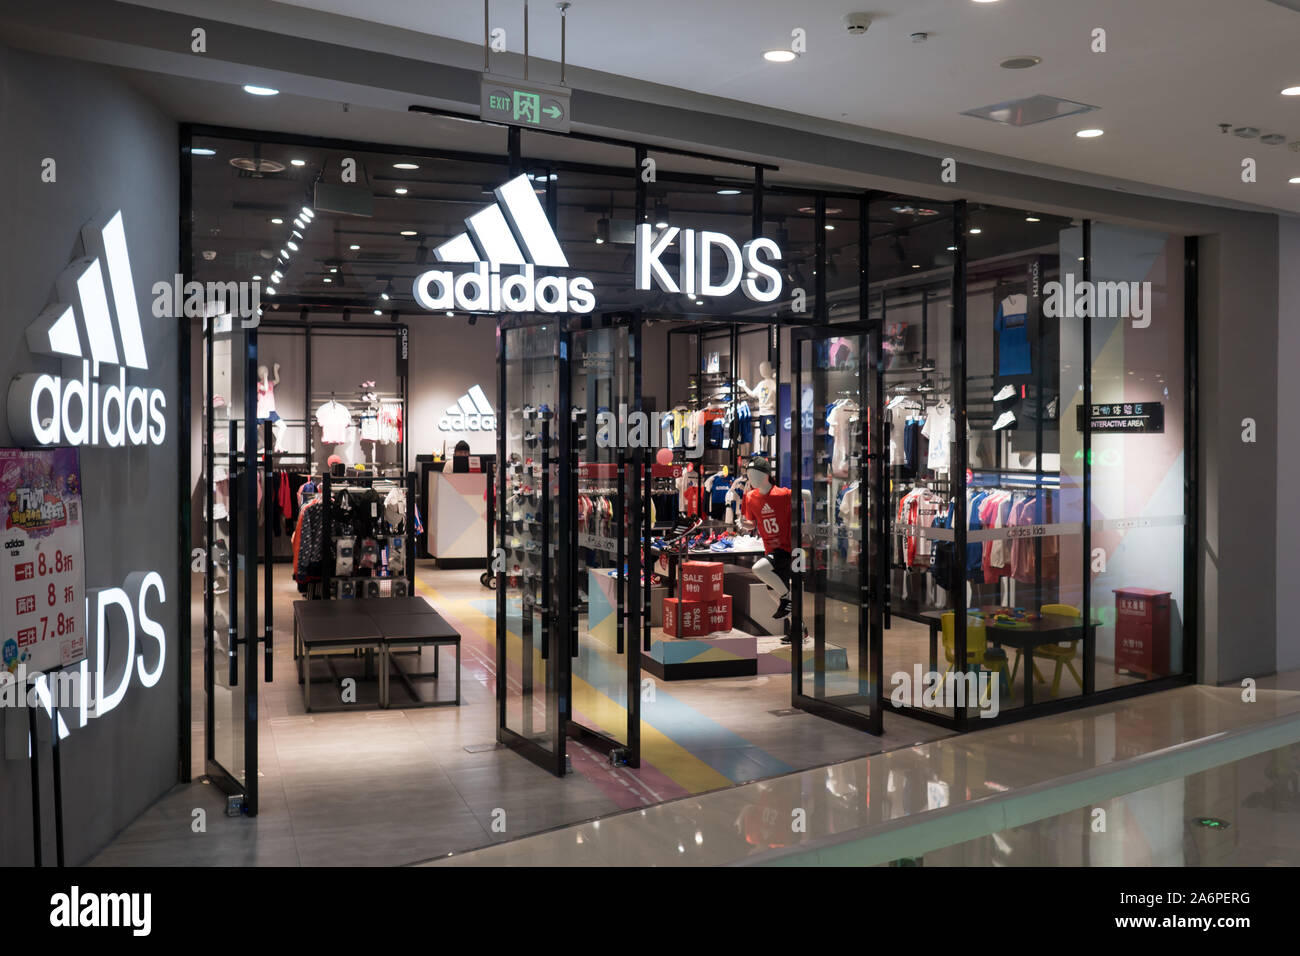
column 328, row 490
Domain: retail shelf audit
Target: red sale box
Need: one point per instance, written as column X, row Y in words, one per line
column 719, row 614
column 702, row 580
column 25, row 571
column 684, row 618
column 25, row 604
column 26, row 636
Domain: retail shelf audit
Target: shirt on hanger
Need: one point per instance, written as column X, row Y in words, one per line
column 1011, row 336
column 334, row 420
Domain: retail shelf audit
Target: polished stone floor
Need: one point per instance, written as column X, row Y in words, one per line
column 398, row 786
column 1154, row 764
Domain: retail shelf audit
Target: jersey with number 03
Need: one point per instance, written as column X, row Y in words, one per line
column 771, row 516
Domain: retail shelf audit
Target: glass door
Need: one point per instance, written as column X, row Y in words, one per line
column 231, row 518
column 835, row 481
column 530, row 483
column 608, row 434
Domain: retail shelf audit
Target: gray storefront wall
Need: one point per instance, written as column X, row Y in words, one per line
column 120, row 150
column 112, row 150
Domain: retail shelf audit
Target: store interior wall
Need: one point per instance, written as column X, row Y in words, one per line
column 447, row 356
column 113, row 150
column 1288, row 447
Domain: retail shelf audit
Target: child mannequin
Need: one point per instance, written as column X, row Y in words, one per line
column 766, row 509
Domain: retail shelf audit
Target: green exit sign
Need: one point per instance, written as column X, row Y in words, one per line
column 523, row 103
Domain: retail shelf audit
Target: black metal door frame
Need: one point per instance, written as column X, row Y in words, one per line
column 872, row 544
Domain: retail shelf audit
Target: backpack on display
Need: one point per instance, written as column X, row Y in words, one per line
column 397, row 555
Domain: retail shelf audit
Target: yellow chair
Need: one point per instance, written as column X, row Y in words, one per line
column 978, row 653
column 1062, row 654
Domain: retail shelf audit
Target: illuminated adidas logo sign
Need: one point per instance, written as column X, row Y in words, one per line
column 79, row 328
column 471, row 413
column 513, row 232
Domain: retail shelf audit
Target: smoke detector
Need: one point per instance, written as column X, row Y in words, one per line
column 857, row 23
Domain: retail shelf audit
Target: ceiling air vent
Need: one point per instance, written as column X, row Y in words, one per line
column 1032, row 109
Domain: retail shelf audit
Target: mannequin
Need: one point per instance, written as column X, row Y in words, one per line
column 266, row 383
column 766, row 509
column 765, row 394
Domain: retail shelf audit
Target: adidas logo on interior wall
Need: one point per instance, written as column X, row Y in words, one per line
column 76, row 408
column 514, row 231
column 471, row 413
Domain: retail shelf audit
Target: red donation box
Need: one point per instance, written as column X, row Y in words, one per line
column 1142, row 631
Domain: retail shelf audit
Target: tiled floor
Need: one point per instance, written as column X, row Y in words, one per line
column 942, row 800
column 398, row 786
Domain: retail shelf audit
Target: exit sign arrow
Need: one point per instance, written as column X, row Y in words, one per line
column 524, row 103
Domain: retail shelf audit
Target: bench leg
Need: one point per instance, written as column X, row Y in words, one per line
column 458, row 673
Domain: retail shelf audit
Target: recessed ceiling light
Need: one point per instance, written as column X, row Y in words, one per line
column 400, row 190
column 334, row 268
column 976, row 231
column 202, row 151
column 1294, row 180
column 377, row 312
column 405, row 166
column 952, row 248
column 779, row 56
column 1089, row 133
column 354, row 247
column 277, row 221
column 1032, row 219
column 257, row 278
column 1020, row 62
column 408, row 232
column 914, row 266
column 297, row 162
column 1291, row 91
column 829, row 227
column 728, row 192
column 327, row 279
column 260, row 90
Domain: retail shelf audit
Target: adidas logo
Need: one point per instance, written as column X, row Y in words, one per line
column 767, row 510
column 514, row 231
column 79, row 328
column 471, row 413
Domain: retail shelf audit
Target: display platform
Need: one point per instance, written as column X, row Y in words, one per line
column 729, row 654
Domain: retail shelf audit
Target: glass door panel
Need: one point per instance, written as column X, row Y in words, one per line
column 529, row 644
column 605, row 542
column 835, row 482
column 231, row 542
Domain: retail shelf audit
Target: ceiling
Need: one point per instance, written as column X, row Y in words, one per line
column 1173, row 71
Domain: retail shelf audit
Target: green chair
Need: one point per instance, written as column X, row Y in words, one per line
column 978, row 653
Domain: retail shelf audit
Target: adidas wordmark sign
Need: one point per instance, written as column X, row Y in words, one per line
column 48, row 409
column 514, row 231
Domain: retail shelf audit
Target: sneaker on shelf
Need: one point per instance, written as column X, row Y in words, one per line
column 1008, row 391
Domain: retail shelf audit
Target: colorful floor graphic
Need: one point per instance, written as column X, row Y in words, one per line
column 683, row 751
